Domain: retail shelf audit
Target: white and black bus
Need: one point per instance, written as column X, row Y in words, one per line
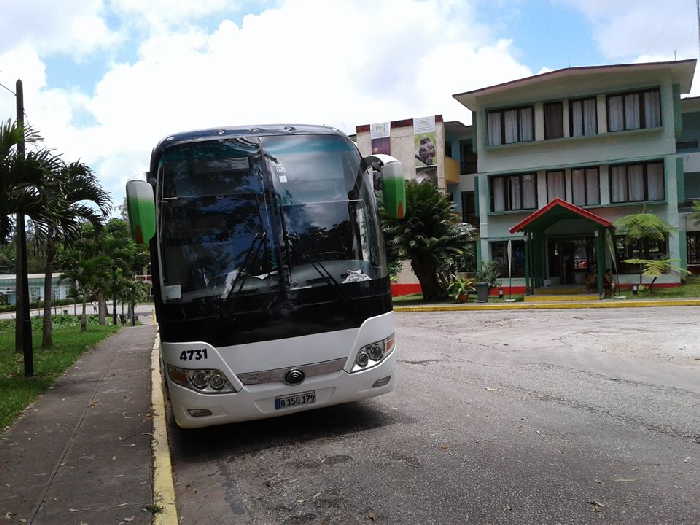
column 269, row 274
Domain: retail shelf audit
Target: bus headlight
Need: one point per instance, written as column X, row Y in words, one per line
column 202, row 380
column 373, row 353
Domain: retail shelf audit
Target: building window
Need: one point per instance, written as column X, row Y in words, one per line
column 508, row 126
column 448, row 148
column 514, row 192
column 693, row 247
column 583, row 117
column 467, row 157
column 585, row 186
column 499, row 255
column 469, row 209
column 638, row 110
column 553, row 120
column 642, row 249
column 687, row 145
column 637, row 182
column 692, row 185
column 556, row 185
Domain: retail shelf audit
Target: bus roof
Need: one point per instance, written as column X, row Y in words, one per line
column 224, row 132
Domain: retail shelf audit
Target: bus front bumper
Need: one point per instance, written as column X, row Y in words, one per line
column 258, row 401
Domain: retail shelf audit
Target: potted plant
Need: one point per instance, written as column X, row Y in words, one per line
column 486, row 278
column 460, row 289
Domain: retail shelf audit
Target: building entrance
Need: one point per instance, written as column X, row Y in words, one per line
column 571, row 260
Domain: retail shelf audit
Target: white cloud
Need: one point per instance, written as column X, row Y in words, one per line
column 159, row 12
column 311, row 61
column 75, row 27
column 625, row 30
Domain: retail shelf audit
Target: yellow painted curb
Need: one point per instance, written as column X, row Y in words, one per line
column 547, row 306
column 163, row 486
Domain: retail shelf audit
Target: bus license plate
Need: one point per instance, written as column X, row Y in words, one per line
column 303, row 398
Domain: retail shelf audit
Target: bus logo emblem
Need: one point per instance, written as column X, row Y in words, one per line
column 294, row 376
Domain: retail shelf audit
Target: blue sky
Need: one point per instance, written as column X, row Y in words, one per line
column 106, row 79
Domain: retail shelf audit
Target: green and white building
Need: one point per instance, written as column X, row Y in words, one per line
column 563, row 154
column 8, row 287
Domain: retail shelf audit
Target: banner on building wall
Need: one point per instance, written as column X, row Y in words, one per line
column 425, row 141
column 380, row 134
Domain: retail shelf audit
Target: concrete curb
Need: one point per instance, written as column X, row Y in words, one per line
column 547, row 306
column 163, row 486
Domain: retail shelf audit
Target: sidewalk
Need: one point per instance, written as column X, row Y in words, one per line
column 82, row 451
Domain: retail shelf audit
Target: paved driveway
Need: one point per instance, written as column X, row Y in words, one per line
column 572, row 416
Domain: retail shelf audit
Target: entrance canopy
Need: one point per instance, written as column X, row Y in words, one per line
column 540, row 264
column 553, row 212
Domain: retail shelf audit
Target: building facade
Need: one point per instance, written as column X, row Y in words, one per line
column 605, row 141
column 452, row 169
column 8, row 284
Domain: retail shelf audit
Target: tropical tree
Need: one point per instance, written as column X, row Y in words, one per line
column 100, row 260
column 431, row 236
column 72, row 188
column 22, row 181
column 86, row 268
column 642, row 228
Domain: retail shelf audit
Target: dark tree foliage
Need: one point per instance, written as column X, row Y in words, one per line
column 431, row 236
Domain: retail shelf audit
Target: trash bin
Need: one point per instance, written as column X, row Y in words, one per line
column 482, row 292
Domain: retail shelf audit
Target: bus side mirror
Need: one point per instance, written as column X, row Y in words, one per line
column 393, row 184
column 142, row 210
column 394, row 190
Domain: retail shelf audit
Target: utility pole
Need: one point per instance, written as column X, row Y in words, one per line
column 23, row 322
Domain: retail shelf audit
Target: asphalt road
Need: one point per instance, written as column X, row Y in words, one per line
column 570, row 416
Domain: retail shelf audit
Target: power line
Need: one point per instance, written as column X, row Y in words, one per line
column 8, row 89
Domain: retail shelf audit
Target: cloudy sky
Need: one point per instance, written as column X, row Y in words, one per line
column 104, row 80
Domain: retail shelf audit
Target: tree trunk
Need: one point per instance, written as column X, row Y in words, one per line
column 101, row 307
column 425, row 271
column 83, row 318
column 47, row 335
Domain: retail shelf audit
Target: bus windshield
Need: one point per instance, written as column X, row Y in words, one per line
column 328, row 210
column 219, row 224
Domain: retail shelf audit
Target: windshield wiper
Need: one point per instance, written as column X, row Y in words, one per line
column 251, row 257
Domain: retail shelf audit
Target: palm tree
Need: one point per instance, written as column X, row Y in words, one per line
column 71, row 188
column 22, row 181
column 431, row 236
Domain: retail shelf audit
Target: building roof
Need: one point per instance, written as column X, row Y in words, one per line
column 457, row 128
column 395, row 124
column 690, row 104
column 12, row 276
column 557, row 209
column 683, row 68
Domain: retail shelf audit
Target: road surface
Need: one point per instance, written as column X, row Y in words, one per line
column 570, row 416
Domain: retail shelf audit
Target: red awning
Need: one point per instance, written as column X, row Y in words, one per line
column 572, row 208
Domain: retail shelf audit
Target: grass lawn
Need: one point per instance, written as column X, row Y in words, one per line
column 17, row 391
column 691, row 288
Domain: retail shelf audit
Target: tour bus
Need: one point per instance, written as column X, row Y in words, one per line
column 269, row 274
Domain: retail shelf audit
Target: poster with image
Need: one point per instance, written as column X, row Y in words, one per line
column 424, row 131
column 380, row 134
